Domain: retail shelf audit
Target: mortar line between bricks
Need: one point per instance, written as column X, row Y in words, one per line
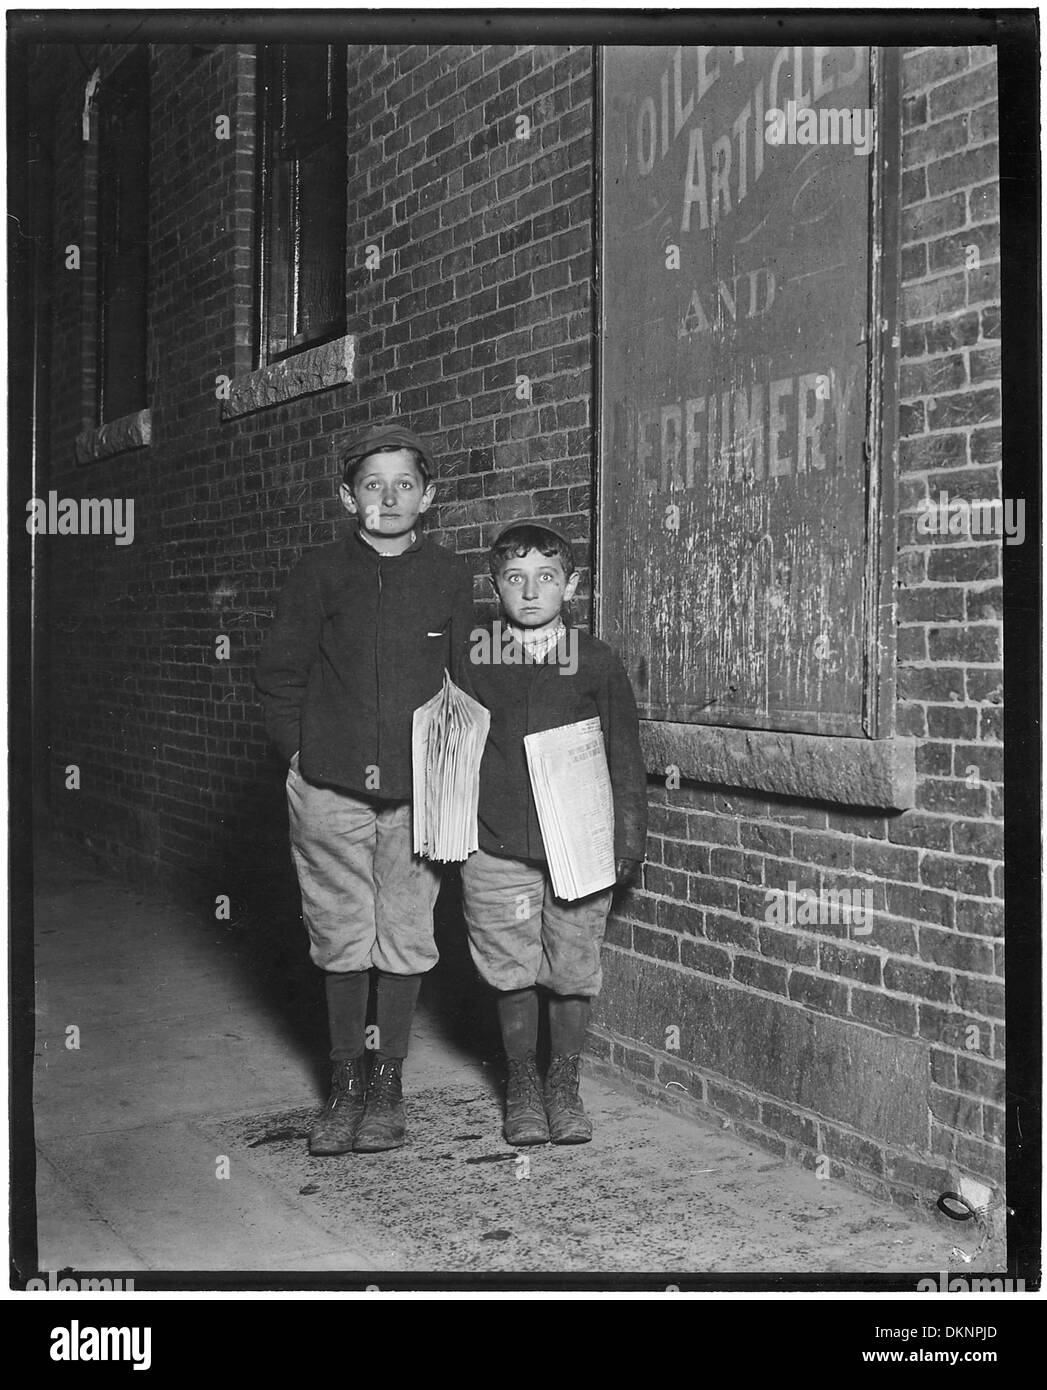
column 803, row 934
column 847, row 836
column 763, row 1097
column 927, row 125
column 709, row 1109
column 952, row 895
column 881, row 991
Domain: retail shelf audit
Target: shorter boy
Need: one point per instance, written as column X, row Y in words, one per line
column 520, row 934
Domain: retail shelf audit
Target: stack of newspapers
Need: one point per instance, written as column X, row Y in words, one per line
column 448, row 737
column 572, row 793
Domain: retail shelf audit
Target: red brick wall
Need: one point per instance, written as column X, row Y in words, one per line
column 486, row 277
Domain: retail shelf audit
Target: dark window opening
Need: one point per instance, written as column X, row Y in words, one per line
column 303, row 204
column 123, row 239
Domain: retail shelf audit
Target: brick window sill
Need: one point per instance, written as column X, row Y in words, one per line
column 315, row 369
column 115, row 437
column 848, row 771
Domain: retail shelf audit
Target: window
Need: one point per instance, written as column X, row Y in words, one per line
column 123, row 239
column 302, row 215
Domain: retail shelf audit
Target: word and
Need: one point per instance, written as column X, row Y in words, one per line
column 76, row 1343
column 976, row 516
column 802, row 125
column 88, row 516
column 499, row 646
column 751, row 294
column 833, row 907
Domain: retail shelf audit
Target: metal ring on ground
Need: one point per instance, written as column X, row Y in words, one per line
column 943, row 1205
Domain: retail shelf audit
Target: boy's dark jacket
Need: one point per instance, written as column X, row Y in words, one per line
column 530, row 697
column 360, row 640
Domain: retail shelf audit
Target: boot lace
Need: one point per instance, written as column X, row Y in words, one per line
column 347, row 1082
column 385, row 1091
column 523, row 1088
column 562, row 1081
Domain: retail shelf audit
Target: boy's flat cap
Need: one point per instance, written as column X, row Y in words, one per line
column 373, row 437
column 543, row 525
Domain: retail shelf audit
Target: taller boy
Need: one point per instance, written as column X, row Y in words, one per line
column 365, row 629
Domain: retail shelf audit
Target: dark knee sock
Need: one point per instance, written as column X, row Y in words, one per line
column 397, row 997
column 347, row 1012
column 568, row 1021
column 518, row 1019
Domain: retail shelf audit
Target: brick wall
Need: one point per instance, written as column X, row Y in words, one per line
column 879, row 1057
column 165, row 737
column 485, row 277
column 876, row 1058
column 472, row 172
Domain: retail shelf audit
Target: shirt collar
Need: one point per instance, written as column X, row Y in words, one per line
column 540, row 647
column 366, row 540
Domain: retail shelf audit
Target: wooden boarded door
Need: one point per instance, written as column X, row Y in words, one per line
column 741, row 350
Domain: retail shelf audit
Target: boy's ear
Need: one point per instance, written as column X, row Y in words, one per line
column 427, row 497
column 571, row 586
column 345, row 492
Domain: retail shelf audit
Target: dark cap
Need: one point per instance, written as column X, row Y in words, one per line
column 540, row 525
column 372, row 438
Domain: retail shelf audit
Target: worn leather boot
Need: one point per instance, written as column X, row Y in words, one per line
column 525, row 1118
column 334, row 1130
column 568, row 1122
column 384, row 1123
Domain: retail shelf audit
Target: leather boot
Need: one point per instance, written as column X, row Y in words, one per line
column 568, row 1122
column 335, row 1128
column 384, row 1122
column 525, row 1118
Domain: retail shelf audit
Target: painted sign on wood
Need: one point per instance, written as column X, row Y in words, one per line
column 737, row 338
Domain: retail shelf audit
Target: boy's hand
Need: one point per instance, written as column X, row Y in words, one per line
column 624, row 869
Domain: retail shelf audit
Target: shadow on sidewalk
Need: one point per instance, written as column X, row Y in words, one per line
column 264, row 939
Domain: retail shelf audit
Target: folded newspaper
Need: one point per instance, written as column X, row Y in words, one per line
column 572, row 793
column 447, row 744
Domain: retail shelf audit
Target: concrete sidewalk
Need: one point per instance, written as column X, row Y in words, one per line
column 199, row 1057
